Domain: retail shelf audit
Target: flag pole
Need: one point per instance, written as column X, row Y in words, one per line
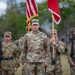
column 53, row 35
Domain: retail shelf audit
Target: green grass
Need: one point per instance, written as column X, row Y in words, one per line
column 65, row 66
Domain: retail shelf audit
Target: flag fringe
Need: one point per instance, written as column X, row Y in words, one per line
column 55, row 14
column 31, row 17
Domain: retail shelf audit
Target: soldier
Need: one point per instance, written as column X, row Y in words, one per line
column 58, row 48
column 21, row 46
column 10, row 57
column 21, row 40
column 71, row 54
column 28, row 29
column 35, row 55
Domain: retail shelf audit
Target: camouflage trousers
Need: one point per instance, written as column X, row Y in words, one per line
column 6, row 72
column 34, row 69
column 56, row 71
column 72, row 69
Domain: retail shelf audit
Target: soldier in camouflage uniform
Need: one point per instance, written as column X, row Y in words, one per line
column 21, row 40
column 71, row 54
column 35, row 55
column 10, row 57
column 21, row 45
column 58, row 48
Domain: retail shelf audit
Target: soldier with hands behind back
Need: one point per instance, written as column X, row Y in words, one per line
column 71, row 54
column 10, row 56
column 35, row 56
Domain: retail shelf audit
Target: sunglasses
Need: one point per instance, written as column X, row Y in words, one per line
column 52, row 33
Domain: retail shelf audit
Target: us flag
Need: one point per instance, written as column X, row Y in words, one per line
column 31, row 10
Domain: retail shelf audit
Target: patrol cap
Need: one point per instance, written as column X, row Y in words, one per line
column 55, row 31
column 7, row 33
column 35, row 22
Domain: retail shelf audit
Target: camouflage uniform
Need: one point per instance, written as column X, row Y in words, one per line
column 21, row 42
column 10, row 57
column 59, row 48
column 71, row 54
column 21, row 46
column 35, row 53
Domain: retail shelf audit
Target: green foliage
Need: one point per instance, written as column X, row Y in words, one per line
column 15, row 18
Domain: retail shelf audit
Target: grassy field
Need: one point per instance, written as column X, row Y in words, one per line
column 65, row 66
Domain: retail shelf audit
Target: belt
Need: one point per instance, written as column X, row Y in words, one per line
column 9, row 58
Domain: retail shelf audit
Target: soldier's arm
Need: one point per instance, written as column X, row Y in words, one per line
column 21, row 43
column 48, row 55
column 17, row 53
column 47, row 48
column 60, row 47
column 69, row 55
column 24, row 51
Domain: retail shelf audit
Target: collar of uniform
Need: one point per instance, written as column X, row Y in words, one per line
column 35, row 33
column 7, row 44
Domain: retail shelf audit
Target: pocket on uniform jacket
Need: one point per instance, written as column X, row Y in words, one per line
column 7, row 65
column 50, row 68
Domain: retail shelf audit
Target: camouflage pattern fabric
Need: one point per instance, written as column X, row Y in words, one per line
column 21, row 42
column 21, row 46
column 34, row 69
column 56, row 68
column 7, row 72
column 49, row 69
column 36, row 51
column 10, row 58
column 72, row 70
column 70, row 61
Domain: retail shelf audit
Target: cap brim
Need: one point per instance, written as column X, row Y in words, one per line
column 7, row 35
column 35, row 23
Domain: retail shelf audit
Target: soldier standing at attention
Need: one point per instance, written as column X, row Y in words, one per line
column 21, row 46
column 58, row 48
column 21, row 39
column 10, row 57
column 71, row 54
column 34, row 57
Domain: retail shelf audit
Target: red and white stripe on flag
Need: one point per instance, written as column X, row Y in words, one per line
column 54, row 8
column 31, row 9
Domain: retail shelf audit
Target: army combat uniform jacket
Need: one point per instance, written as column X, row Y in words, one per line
column 59, row 48
column 35, row 53
column 71, row 57
column 35, row 48
column 10, row 56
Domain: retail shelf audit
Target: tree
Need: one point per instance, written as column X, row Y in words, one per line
column 14, row 20
column 15, row 17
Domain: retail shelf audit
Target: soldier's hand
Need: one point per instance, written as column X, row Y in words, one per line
column 25, row 64
column 52, row 39
column 45, row 64
column 54, row 43
column 15, row 69
column 72, row 64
